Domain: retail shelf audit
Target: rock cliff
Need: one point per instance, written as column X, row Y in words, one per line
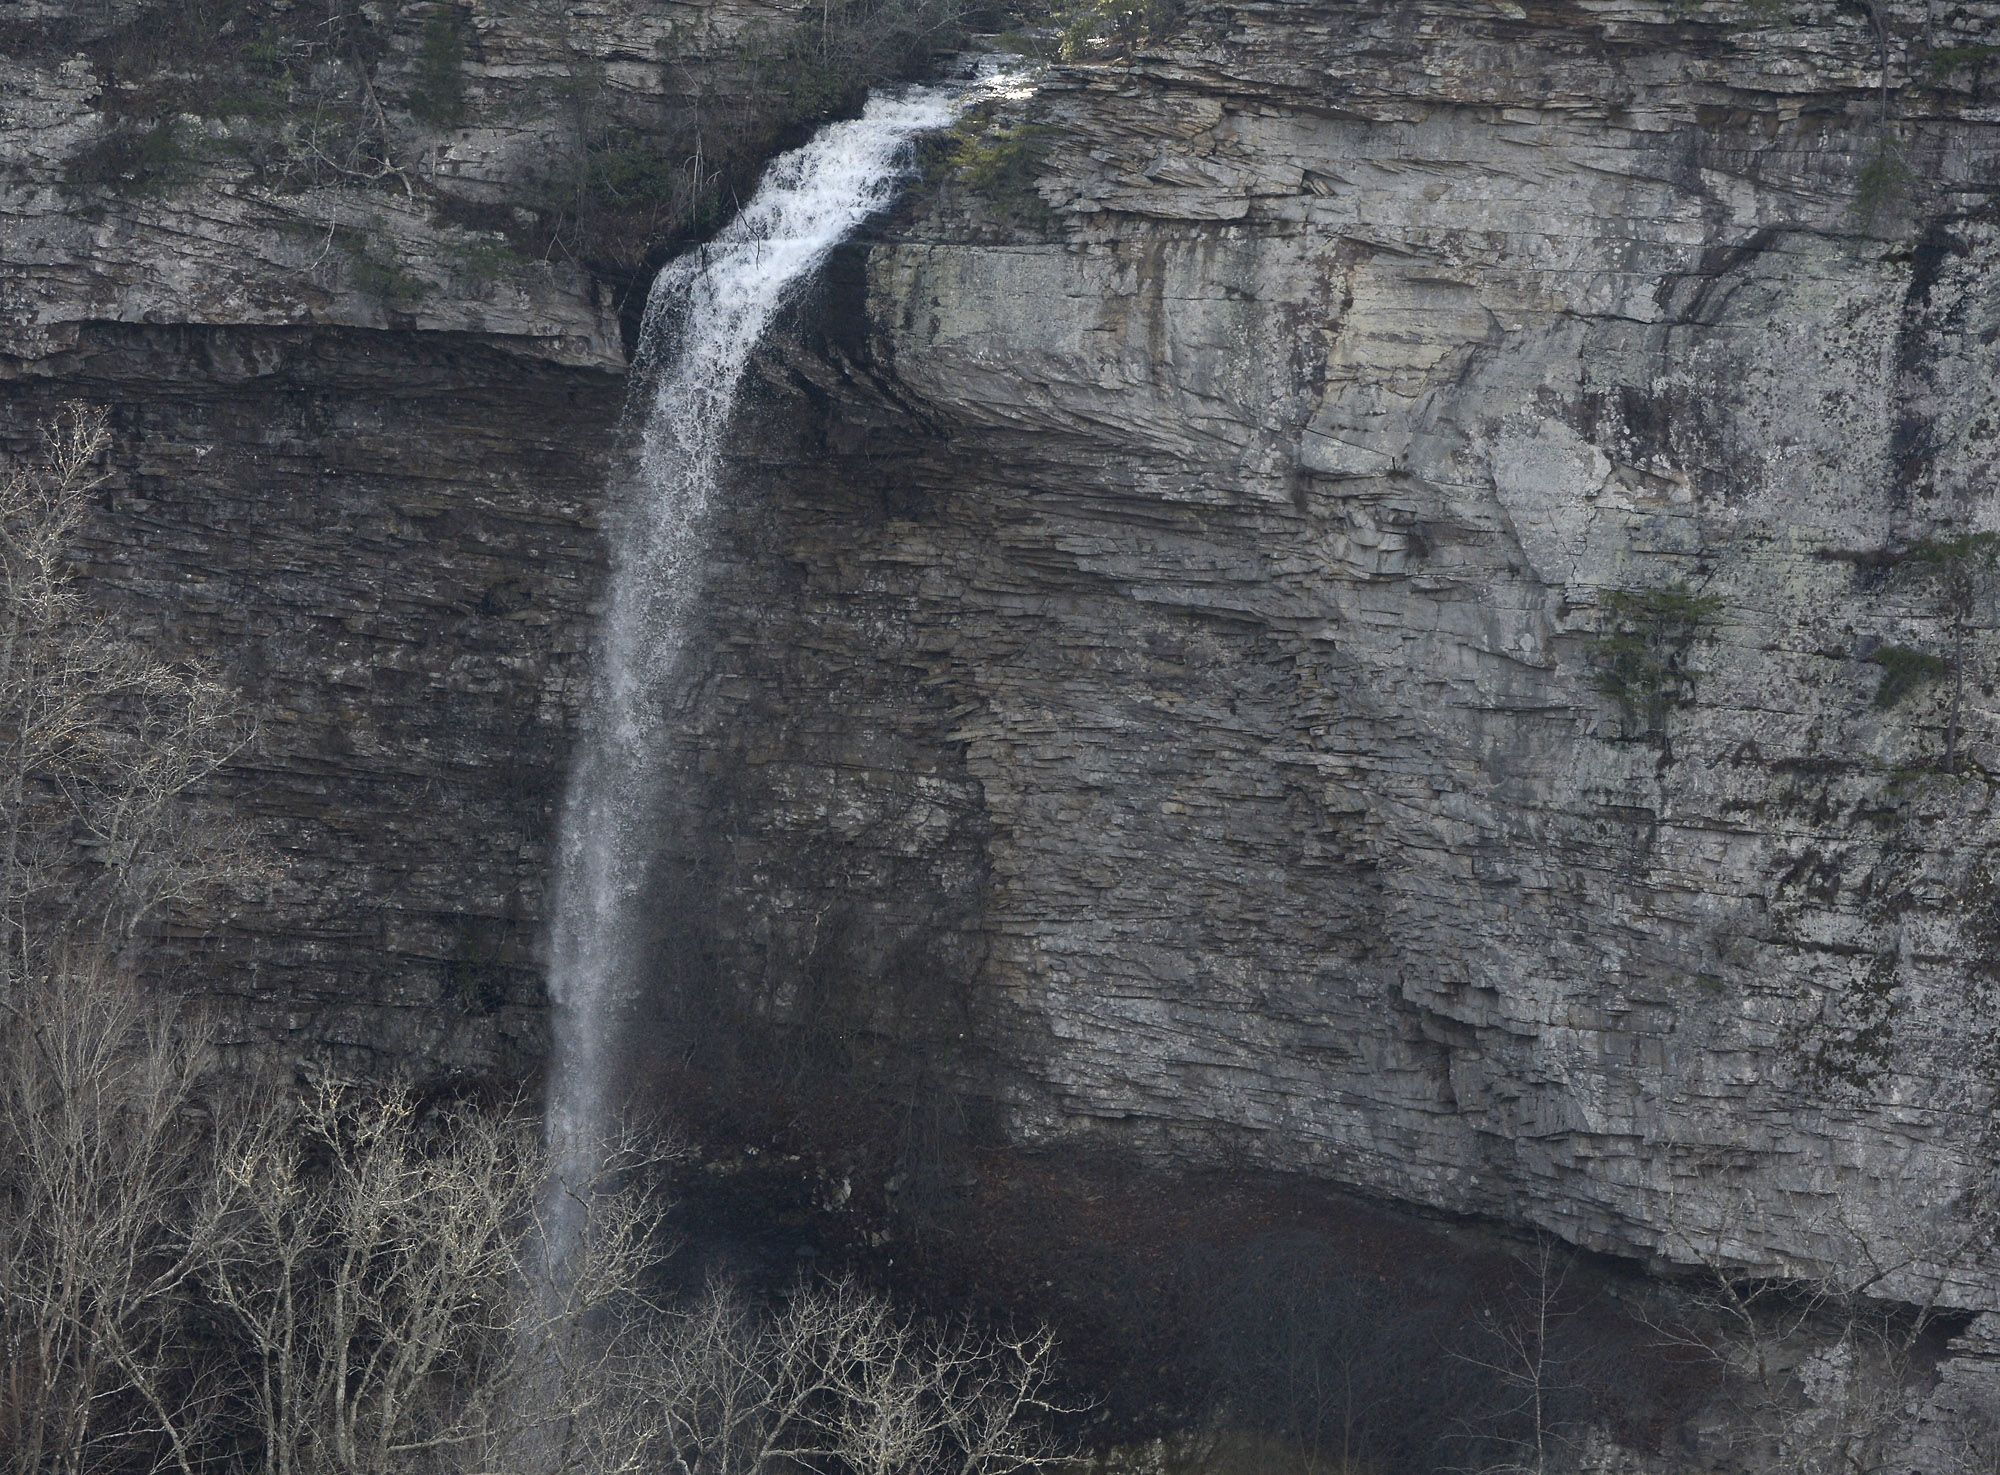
column 1395, row 559
column 1400, row 594
column 365, row 360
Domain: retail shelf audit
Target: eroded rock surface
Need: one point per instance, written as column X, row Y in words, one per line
column 1195, row 663
column 1252, row 535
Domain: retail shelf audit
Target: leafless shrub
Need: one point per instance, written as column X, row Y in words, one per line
column 1826, row 1367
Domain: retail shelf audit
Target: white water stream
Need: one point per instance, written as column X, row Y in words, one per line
column 706, row 314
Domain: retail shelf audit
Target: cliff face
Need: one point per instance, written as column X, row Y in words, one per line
column 1392, row 565
column 384, row 542
column 365, row 369
column 1402, row 594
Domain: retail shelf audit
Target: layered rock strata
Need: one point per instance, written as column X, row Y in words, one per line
column 1340, row 611
column 1390, row 557
column 386, row 542
column 363, row 406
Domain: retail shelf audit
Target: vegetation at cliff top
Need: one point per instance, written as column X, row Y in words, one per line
column 291, row 87
column 318, row 93
column 638, row 191
column 1000, row 161
column 1084, row 27
column 144, row 159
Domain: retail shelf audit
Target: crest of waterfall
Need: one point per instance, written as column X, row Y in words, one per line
column 706, row 314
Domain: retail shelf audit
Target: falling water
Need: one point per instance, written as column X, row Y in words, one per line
column 706, row 313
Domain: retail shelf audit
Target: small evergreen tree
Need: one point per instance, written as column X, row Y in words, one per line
column 437, row 91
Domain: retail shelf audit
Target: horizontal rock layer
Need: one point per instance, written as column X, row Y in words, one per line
column 386, row 543
column 1244, row 532
column 1166, row 628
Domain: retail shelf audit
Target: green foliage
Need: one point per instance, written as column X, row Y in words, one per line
column 267, row 54
column 1951, row 59
column 380, row 276
column 1884, row 181
column 632, row 188
column 1966, row 551
column 826, row 64
column 258, row 85
column 1903, row 671
column 638, row 192
column 303, row 69
column 254, row 80
column 1640, row 660
column 1763, row 12
column 1771, row 12
column 623, row 172
column 813, row 86
column 1852, row 1043
column 1018, row 43
column 218, row 58
column 1085, row 29
column 1672, row 609
column 133, row 159
column 477, row 262
column 437, row 88
column 1005, row 160
column 1002, row 164
column 1953, row 567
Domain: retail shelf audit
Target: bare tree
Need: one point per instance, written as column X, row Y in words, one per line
column 381, row 1269
column 102, row 744
column 1825, row 1368
column 203, row 1273
column 837, row 1379
column 726, row 1382
column 902, row 1395
column 1516, row 1346
column 101, row 1144
column 103, row 1135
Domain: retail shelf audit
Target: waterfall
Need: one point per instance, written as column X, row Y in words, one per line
column 705, row 315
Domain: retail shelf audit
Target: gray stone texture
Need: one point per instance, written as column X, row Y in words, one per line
column 1153, row 683
column 1252, row 560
